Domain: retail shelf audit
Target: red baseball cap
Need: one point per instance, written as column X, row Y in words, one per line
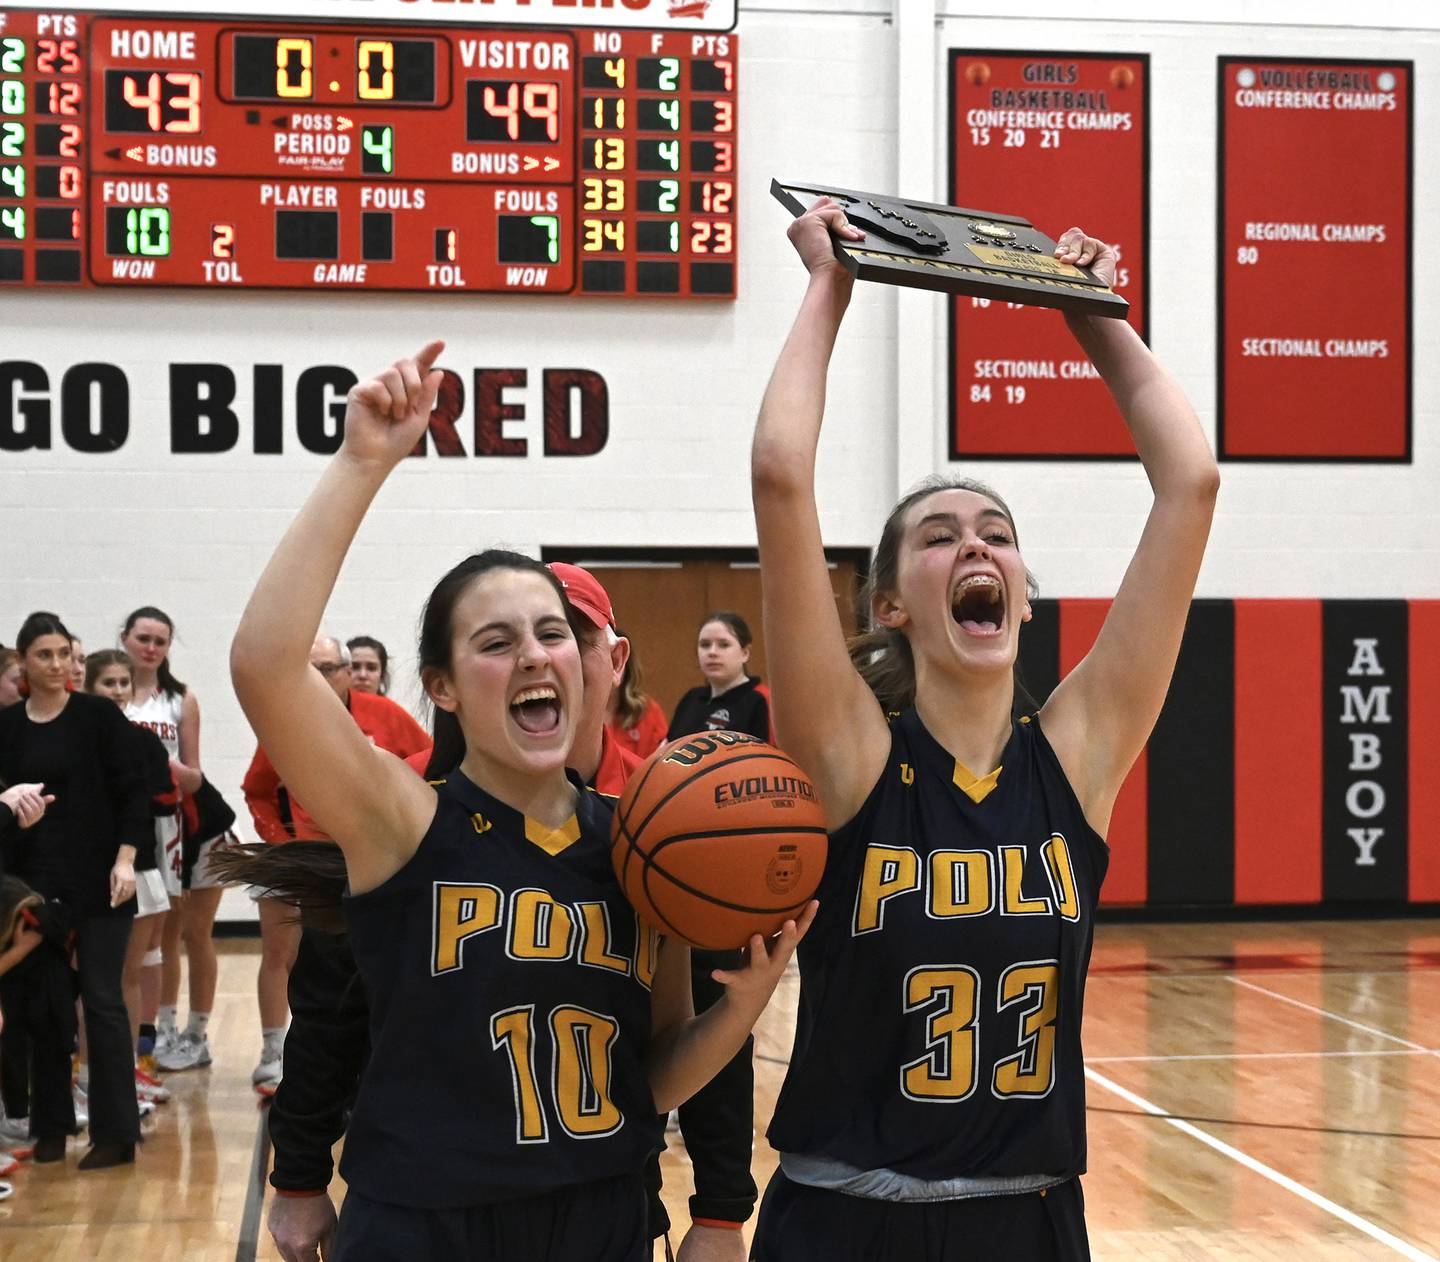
column 583, row 590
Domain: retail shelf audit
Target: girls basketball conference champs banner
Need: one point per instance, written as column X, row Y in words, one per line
column 1292, row 763
column 1033, row 130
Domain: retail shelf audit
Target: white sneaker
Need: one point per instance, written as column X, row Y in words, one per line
column 165, row 1041
column 145, row 1107
column 267, row 1074
column 190, row 1051
column 148, row 1088
column 15, row 1130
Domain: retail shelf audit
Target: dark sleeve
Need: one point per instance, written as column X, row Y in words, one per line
column 122, row 764
column 683, row 722
column 325, row 1049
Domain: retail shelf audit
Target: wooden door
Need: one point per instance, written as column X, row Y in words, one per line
column 659, row 604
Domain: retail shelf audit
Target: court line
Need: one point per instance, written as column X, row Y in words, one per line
column 1334, row 1016
column 1129, row 1060
column 1349, row 1217
column 249, row 1240
column 1275, row 1126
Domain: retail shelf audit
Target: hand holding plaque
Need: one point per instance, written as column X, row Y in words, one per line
column 955, row 250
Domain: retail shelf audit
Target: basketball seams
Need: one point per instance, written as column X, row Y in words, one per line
column 705, row 771
column 628, row 832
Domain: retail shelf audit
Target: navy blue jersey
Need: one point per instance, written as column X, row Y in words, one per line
column 509, row 985
column 942, row 983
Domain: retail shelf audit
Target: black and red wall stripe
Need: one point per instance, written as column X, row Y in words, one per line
column 1293, row 763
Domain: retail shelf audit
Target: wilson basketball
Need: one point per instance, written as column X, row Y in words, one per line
column 716, row 837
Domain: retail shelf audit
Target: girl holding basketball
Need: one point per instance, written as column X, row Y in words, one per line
column 524, row 1037
column 967, row 844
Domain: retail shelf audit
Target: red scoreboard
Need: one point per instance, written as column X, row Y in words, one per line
column 169, row 152
column 1062, row 139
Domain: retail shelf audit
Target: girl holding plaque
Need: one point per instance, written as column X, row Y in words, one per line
column 935, row 1102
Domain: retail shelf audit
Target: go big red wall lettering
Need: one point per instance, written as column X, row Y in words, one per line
column 88, row 410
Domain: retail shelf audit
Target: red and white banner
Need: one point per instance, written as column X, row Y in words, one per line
column 1062, row 139
column 1314, row 274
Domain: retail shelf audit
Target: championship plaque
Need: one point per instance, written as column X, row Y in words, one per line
column 956, row 251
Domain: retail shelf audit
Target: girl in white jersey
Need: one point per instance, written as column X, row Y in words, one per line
column 169, row 709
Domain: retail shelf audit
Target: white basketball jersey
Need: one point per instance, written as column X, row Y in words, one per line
column 160, row 712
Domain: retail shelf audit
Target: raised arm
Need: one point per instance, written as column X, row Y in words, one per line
column 364, row 797
column 817, row 694
column 1101, row 715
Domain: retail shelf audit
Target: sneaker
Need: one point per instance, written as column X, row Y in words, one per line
column 8, row 1165
column 267, row 1074
column 150, row 1088
column 165, row 1041
column 15, row 1130
column 189, row 1051
column 145, row 1107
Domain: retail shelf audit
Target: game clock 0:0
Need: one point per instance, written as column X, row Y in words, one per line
column 284, row 68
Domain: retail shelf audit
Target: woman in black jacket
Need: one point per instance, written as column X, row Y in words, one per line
column 81, row 854
column 730, row 699
column 717, row 1122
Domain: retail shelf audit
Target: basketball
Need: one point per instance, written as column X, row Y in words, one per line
column 718, row 836
column 978, row 73
column 1122, row 77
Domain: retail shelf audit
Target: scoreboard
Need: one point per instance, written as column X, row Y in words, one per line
column 157, row 152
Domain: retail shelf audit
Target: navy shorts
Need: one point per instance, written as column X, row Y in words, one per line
column 799, row 1223
column 604, row 1221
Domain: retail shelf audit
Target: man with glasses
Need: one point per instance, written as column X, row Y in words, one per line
column 279, row 818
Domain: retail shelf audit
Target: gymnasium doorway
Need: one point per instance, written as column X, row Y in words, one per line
column 661, row 596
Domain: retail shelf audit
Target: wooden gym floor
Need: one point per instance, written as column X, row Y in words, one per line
column 1263, row 1091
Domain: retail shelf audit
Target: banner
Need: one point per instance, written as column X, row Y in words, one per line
column 1061, row 139
column 1314, row 248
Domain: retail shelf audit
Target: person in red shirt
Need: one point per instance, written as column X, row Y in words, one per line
column 632, row 716
column 279, row 818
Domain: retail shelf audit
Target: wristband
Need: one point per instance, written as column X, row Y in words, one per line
column 289, row 1195
column 716, row 1222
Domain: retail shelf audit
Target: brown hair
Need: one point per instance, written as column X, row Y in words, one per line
column 881, row 655
column 165, row 680
column 630, row 698
column 307, row 875
column 100, row 659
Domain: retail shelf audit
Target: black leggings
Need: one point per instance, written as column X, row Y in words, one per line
column 39, row 1035
column 798, row 1223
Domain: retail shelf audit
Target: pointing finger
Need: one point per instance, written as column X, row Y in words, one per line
column 427, row 355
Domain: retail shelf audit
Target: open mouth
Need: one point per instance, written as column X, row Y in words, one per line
column 537, row 710
column 978, row 604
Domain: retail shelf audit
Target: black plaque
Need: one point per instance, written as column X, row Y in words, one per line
column 955, row 250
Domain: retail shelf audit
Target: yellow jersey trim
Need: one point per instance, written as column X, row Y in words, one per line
column 976, row 788
column 553, row 840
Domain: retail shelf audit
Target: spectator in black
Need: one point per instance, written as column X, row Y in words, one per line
column 730, row 699
column 718, row 1120
column 81, row 854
